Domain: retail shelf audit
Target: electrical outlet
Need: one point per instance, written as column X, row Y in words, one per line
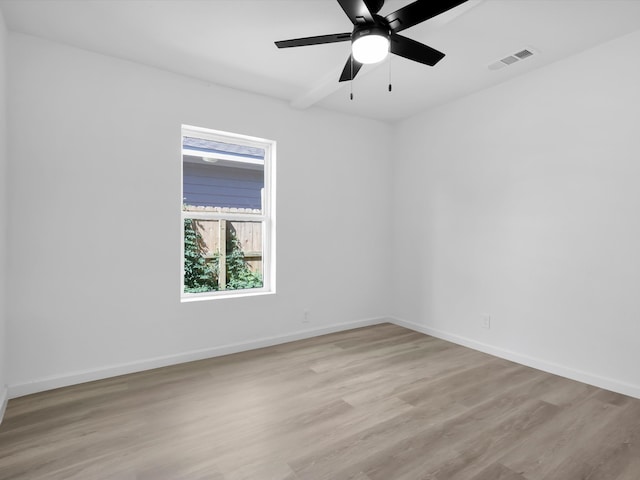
column 305, row 318
column 486, row 321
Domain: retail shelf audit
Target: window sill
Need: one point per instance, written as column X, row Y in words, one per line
column 224, row 295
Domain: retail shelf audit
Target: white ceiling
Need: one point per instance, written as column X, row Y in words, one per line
column 230, row 42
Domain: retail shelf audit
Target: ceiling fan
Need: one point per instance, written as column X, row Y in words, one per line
column 374, row 36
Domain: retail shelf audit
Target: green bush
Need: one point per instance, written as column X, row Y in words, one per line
column 239, row 275
column 198, row 275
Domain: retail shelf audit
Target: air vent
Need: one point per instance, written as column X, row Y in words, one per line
column 513, row 58
column 523, row 54
column 509, row 60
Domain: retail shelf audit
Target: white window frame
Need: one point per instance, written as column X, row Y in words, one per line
column 267, row 217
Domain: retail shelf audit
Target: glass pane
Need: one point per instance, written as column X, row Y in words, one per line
column 220, row 175
column 200, row 262
column 243, row 259
column 222, row 255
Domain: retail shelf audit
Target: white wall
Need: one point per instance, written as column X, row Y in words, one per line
column 3, row 213
column 523, row 202
column 95, row 152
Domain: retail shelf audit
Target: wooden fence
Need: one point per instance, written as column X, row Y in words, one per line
column 216, row 234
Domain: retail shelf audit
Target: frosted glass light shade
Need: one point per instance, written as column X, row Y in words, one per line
column 370, row 48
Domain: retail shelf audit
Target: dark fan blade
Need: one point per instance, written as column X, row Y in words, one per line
column 357, row 11
column 418, row 12
column 416, row 51
column 374, row 6
column 349, row 72
column 301, row 42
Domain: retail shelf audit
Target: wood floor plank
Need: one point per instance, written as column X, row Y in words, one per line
column 468, row 457
column 609, row 451
column 374, row 403
column 497, row 471
column 553, row 443
column 476, row 432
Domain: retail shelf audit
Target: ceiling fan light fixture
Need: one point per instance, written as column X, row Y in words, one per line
column 370, row 45
column 373, row 34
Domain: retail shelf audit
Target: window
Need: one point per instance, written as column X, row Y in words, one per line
column 228, row 228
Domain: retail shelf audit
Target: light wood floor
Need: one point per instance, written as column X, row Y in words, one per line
column 377, row 403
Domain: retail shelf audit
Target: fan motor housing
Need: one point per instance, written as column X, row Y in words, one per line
column 365, row 30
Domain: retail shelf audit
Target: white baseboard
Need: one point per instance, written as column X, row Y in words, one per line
column 4, row 398
column 537, row 363
column 74, row 378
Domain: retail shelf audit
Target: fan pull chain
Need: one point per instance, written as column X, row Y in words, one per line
column 351, row 81
column 389, row 55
